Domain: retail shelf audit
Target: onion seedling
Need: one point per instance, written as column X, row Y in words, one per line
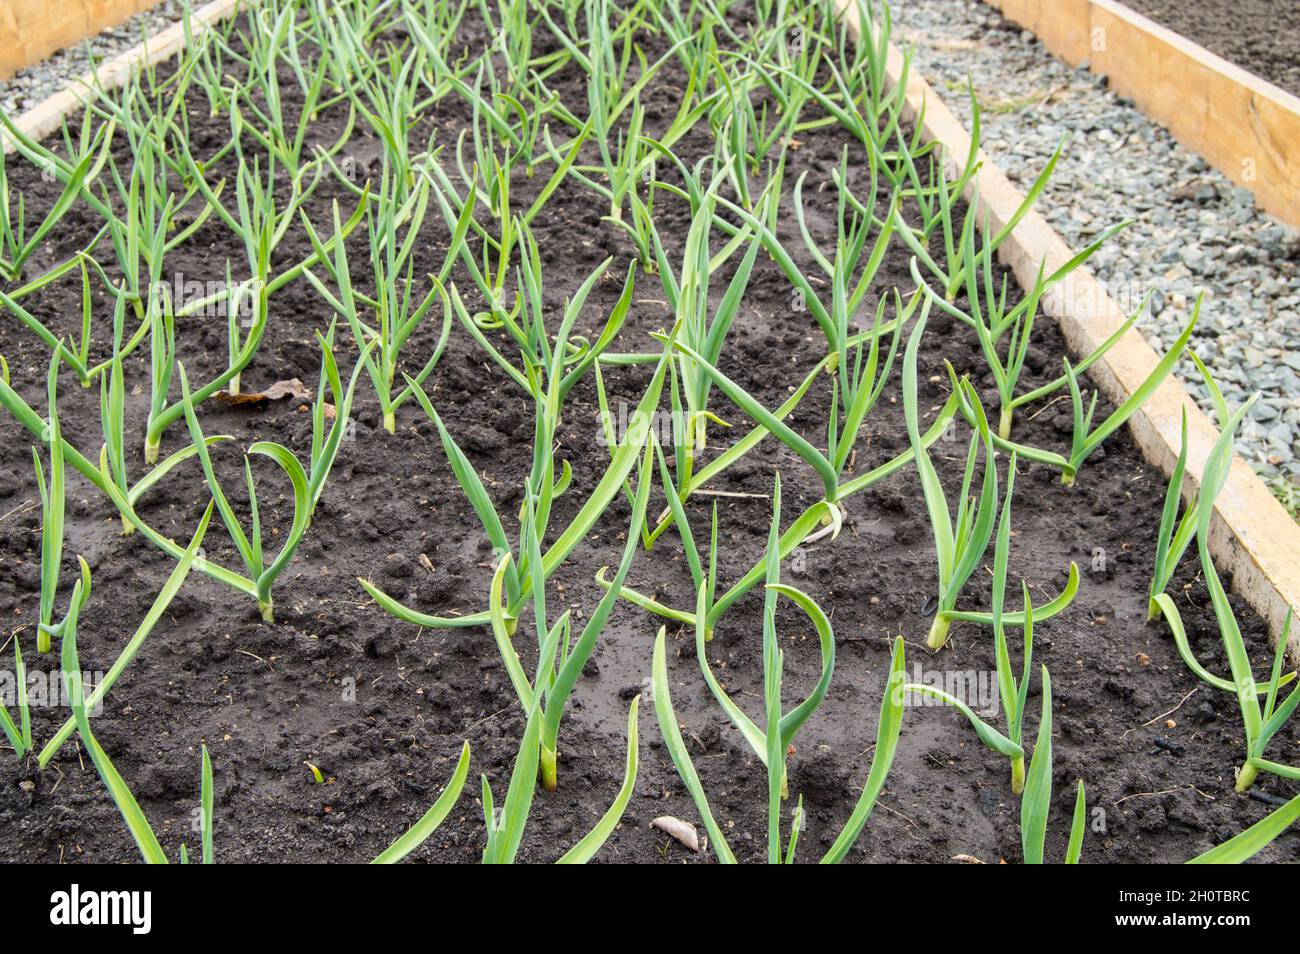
column 52, row 511
column 544, row 487
column 1037, row 802
column 817, row 520
column 960, row 544
column 307, row 485
column 552, row 683
column 135, row 819
column 104, row 481
column 505, row 829
column 1253, row 840
column 1011, row 694
column 396, row 313
column 1085, row 437
column 1260, row 724
column 1173, row 539
column 189, row 559
column 770, row 745
column 890, row 723
column 16, row 245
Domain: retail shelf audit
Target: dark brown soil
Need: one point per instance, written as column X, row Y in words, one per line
column 267, row 698
column 1262, row 36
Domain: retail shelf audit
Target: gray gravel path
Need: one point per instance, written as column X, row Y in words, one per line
column 1192, row 229
column 33, row 84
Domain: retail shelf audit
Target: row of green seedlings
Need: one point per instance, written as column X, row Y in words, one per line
column 548, row 693
column 942, row 217
column 1260, row 723
column 403, row 196
column 141, row 234
column 544, row 697
column 504, row 829
column 690, row 296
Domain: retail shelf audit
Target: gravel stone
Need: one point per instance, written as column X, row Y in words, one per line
column 37, row 82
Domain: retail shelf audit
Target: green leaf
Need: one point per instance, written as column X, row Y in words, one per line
column 990, row 736
column 591, row 843
column 1037, row 799
column 1080, row 821
column 136, row 823
column 1253, row 840
column 672, row 736
column 891, row 722
column 431, row 819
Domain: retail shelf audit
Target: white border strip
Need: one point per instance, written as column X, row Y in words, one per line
column 48, row 115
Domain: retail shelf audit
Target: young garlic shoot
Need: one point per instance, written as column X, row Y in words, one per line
column 307, row 485
column 103, row 481
column 396, row 313
column 553, row 682
column 1175, row 535
column 53, row 502
column 816, row 521
column 887, row 732
column 994, row 320
column 505, row 827
column 867, row 103
column 952, row 274
column 163, row 363
column 1244, row 846
column 428, row 823
column 1086, row 438
column 959, row 544
column 519, row 587
column 867, row 383
column 853, row 228
column 1011, row 694
column 16, row 245
column 249, row 544
column 497, row 255
column 1260, row 724
column 136, row 822
column 772, row 743
column 525, row 323
column 19, row 734
column 687, row 294
column 189, row 559
column 1036, row 804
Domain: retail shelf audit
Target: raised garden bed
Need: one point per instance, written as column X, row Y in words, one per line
column 1262, row 36
column 1226, row 109
column 380, row 707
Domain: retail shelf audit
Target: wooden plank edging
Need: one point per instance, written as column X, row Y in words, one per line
column 47, row 116
column 1251, row 534
column 31, row 30
column 1245, row 126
